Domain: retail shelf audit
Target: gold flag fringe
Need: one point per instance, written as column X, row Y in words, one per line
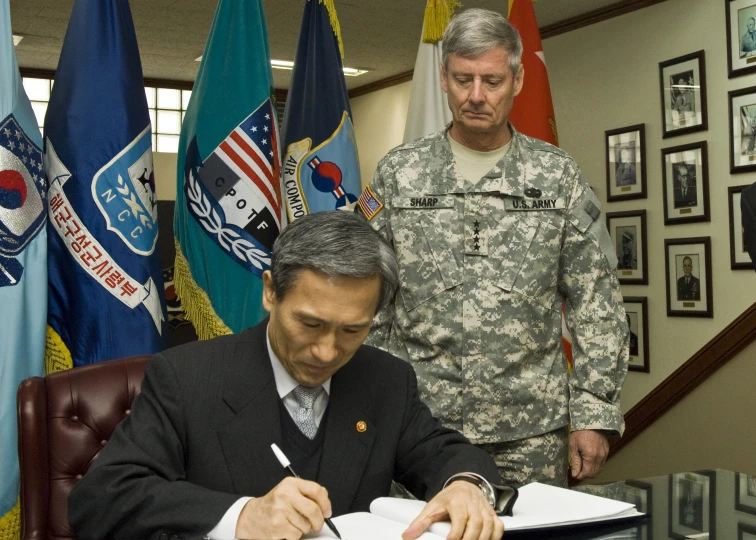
column 438, row 13
column 195, row 301
column 57, row 355
column 331, row 8
column 10, row 524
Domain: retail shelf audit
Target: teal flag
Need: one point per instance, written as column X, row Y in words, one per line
column 23, row 262
column 228, row 197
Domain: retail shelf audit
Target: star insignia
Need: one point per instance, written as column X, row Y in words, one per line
column 348, row 207
column 264, row 141
column 254, row 129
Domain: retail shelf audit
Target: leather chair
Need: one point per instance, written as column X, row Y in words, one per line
column 64, row 420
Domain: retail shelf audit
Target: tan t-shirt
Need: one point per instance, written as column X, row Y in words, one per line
column 472, row 164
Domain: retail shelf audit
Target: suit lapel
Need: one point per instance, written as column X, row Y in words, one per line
column 345, row 447
column 250, row 393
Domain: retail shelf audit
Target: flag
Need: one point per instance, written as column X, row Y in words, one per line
column 105, row 278
column 428, row 110
column 533, row 111
column 321, row 169
column 228, row 197
column 23, row 262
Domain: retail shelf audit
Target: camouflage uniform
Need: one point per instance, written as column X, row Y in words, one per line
column 484, row 268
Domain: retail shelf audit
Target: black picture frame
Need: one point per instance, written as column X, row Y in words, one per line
column 746, row 532
column 692, row 504
column 628, row 231
column 692, row 297
column 626, row 163
column 682, row 82
column 636, row 310
column 742, row 110
column 745, row 493
column 741, row 57
column 688, row 165
column 739, row 257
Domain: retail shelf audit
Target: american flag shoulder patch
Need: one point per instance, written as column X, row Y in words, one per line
column 369, row 203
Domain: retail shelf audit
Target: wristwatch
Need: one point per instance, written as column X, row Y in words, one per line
column 482, row 483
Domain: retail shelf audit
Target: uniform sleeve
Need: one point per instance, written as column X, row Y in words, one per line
column 136, row 487
column 594, row 312
column 374, row 205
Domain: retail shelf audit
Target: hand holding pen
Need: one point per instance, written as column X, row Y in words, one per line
column 286, row 464
column 292, row 509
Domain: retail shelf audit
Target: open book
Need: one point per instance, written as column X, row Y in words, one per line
column 538, row 507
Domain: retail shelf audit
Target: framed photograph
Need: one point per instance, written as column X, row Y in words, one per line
column 741, row 37
column 746, row 532
column 626, row 163
column 683, row 94
column 745, row 493
column 739, row 258
column 628, row 230
column 636, row 311
column 691, row 504
column 639, row 494
column 685, row 177
column 689, row 290
column 742, row 130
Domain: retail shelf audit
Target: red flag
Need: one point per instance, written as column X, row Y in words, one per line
column 533, row 111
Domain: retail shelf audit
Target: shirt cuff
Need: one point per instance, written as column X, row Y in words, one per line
column 476, row 475
column 226, row 527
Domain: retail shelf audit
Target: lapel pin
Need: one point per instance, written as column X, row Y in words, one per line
column 361, row 426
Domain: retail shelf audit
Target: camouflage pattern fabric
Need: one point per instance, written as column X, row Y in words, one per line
column 484, row 268
column 542, row 458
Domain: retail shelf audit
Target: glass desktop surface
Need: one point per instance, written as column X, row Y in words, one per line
column 711, row 504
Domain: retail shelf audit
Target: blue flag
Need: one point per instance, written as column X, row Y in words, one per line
column 23, row 262
column 106, row 286
column 321, row 170
column 228, row 197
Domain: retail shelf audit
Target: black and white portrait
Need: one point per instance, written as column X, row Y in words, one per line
column 688, row 282
column 625, row 159
column 691, row 504
column 747, row 26
column 682, row 95
column 748, row 130
column 627, row 248
column 684, row 192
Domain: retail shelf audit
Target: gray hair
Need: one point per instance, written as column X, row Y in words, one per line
column 334, row 243
column 475, row 31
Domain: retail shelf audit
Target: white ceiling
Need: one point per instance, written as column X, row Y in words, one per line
column 379, row 35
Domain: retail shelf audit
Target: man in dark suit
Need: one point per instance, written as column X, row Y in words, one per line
column 194, row 458
column 748, row 218
column 688, row 286
column 684, row 187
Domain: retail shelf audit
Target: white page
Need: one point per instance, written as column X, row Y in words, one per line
column 538, row 505
column 365, row 526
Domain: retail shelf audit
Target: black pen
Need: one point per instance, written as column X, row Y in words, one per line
column 286, row 464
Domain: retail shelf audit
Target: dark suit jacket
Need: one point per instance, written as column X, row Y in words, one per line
column 199, row 436
column 748, row 217
column 690, row 291
column 689, row 199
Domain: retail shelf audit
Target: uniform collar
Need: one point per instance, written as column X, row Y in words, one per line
column 506, row 177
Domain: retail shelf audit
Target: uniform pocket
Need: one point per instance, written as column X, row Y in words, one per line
column 427, row 265
column 513, row 251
